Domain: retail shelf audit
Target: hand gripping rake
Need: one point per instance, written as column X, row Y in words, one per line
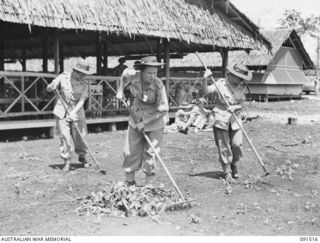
column 236, row 119
column 78, row 131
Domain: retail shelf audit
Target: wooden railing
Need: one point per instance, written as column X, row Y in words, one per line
column 24, row 93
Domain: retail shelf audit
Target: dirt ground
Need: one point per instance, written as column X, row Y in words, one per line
column 38, row 198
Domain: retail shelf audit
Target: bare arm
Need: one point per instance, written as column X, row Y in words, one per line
column 54, row 84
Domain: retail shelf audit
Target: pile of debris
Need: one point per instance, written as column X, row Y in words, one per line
column 123, row 201
column 287, row 170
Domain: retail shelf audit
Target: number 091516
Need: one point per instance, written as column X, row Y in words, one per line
column 309, row 239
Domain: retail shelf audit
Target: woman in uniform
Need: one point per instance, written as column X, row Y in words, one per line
column 150, row 108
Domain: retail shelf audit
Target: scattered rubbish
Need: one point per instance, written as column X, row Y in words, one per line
column 194, row 219
column 241, row 208
column 287, row 170
column 307, row 140
column 314, row 192
column 252, row 182
column 292, row 121
column 227, row 187
column 25, row 156
column 123, row 201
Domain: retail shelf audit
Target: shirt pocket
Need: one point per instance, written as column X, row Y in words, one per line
column 222, row 116
column 152, row 98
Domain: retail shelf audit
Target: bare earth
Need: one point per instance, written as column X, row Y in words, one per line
column 37, row 198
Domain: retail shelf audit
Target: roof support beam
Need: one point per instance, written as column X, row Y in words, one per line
column 61, row 58
column 23, row 59
column 56, row 51
column 44, row 54
column 99, row 53
column 159, row 49
column 225, row 59
column 1, row 53
column 105, row 58
column 167, row 63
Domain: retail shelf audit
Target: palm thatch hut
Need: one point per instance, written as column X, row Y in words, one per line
column 58, row 29
column 277, row 73
column 30, row 28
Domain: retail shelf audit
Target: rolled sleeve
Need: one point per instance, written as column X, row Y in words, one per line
column 127, row 76
column 212, row 88
column 162, row 101
column 85, row 93
column 56, row 82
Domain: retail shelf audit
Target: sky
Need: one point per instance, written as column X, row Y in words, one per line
column 266, row 13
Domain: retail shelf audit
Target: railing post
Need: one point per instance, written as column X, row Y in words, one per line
column 117, row 100
column 90, row 96
column 23, row 94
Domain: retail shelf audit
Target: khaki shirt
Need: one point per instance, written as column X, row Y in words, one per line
column 151, row 105
column 222, row 117
column 71, row 93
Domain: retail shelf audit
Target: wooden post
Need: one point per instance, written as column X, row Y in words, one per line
column 2, row 29
column 225, row 57
column 45, row 54
column 56, row 51
column 167, row 64
column 22, row 91
column 159, row 50
column 61, row 58
column 1, row 53
column 23, row 59
column 99, row 53
column 318, row 55
column 105, row 58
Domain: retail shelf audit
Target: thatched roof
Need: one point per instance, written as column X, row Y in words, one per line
column 256, row 58
column 210, row 23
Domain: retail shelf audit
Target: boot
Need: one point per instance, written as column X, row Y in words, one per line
column 67, row 165
column 130, row 183
column 234, row 171
column 228, row 178
column 84, row 162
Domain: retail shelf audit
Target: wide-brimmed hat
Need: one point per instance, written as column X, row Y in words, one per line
column 83, row 67
column 185, row 105
column 149, row 61
column 240, row 71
